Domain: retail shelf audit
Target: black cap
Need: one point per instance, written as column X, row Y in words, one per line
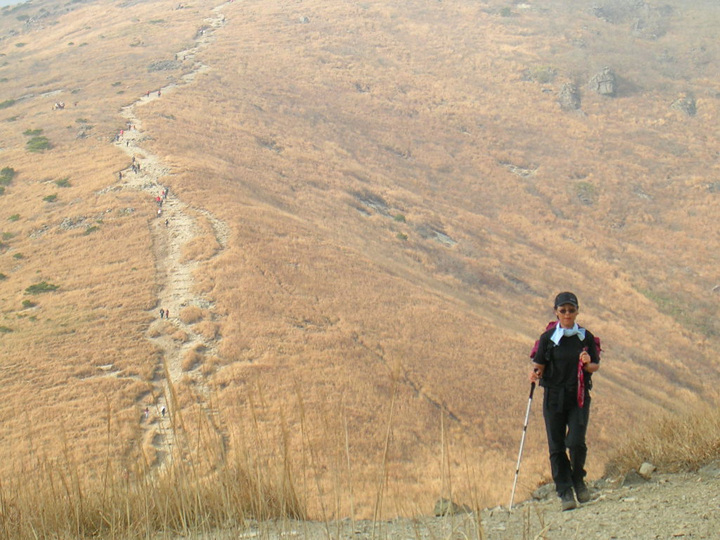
column 566, row 298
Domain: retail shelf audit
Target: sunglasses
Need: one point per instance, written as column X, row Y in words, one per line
column 571, row 310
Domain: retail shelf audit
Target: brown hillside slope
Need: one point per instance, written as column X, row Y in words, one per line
column 404, row 196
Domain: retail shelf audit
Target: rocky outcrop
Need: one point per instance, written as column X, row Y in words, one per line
column 569, row 97
column 605, row 82
column 686, row 104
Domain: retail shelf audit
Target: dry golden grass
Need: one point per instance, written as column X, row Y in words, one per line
column 57, row 499
column 192, row 314
column 193, row 358
column 672, row 443
column 402, row 203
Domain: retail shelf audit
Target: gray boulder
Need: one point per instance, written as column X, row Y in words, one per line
column 604, row 83
column 686, row 104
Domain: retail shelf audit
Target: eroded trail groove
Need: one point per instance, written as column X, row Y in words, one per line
column 176, row 223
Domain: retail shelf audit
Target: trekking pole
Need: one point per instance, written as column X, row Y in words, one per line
column 522, row 443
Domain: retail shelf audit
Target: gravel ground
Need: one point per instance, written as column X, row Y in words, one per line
column 666, row 506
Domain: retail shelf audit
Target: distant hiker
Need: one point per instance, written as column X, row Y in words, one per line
column 163, row 411
column 167, row 222
column 158, row 200
column 133, row 160
column 147, row 413
column 148, row 94
column 158, row 93
column 127, row 143
column 159, row 213
column 564, row 363
column 167, row 313
column 120, row 175
column 162, row 313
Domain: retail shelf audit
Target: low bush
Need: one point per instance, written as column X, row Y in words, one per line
column 64, row 182
column 38, row 144
column 14, row 217
column 5, row 330
column 50, row 198
column 28, row 304
column 6, row 176
column 42, row 287
column 33, row 132
column 7, row 103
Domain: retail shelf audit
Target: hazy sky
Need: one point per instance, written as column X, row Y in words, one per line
column 4, row 3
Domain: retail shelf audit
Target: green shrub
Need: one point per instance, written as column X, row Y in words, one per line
column 21, row 44
column 506, row 12
column 32, row 132
column 65, row 182
column 50, row 198
column 7, row 235
column 12, row 118
column 27, row 304
column 2, row 276
column 38, row 144
column 5, row 330
column 14, row 217
column 7, row 103
column 399, row 218
column 116, row 83
column 41, row 287
column 91, row 229
column 18, row 256
column 2, row 190
column 6, row 176
column 401, row 236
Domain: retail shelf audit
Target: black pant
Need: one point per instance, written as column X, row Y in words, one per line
column 566, row 425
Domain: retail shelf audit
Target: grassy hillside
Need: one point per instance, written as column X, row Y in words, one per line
column 402, row 194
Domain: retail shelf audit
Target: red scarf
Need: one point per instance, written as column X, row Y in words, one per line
column 581, row 383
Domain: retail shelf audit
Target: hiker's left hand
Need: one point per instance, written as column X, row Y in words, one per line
column 585, row 357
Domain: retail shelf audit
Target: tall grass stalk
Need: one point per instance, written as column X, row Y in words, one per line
column 196, row 491
column 673, row 443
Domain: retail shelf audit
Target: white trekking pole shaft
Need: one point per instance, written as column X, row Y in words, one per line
column 522, row 444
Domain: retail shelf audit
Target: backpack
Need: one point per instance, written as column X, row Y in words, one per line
column 553, row 324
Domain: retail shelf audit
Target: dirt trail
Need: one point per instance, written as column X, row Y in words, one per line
column 176, row 225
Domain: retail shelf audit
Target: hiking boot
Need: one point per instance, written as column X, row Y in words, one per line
column 582, row 492
column 567, row 500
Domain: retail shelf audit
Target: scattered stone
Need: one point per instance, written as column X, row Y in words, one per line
column 544, row 492
column 446, row 507
column 711, row 470
column 569, row 97
column 646, row 470
column 633, row 479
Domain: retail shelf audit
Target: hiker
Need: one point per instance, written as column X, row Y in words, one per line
column 163, row 411
column 167, row 222
column 167, row 313
column 158, row 93
column 564, row 362
column 162, row 313
column 120, row 175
